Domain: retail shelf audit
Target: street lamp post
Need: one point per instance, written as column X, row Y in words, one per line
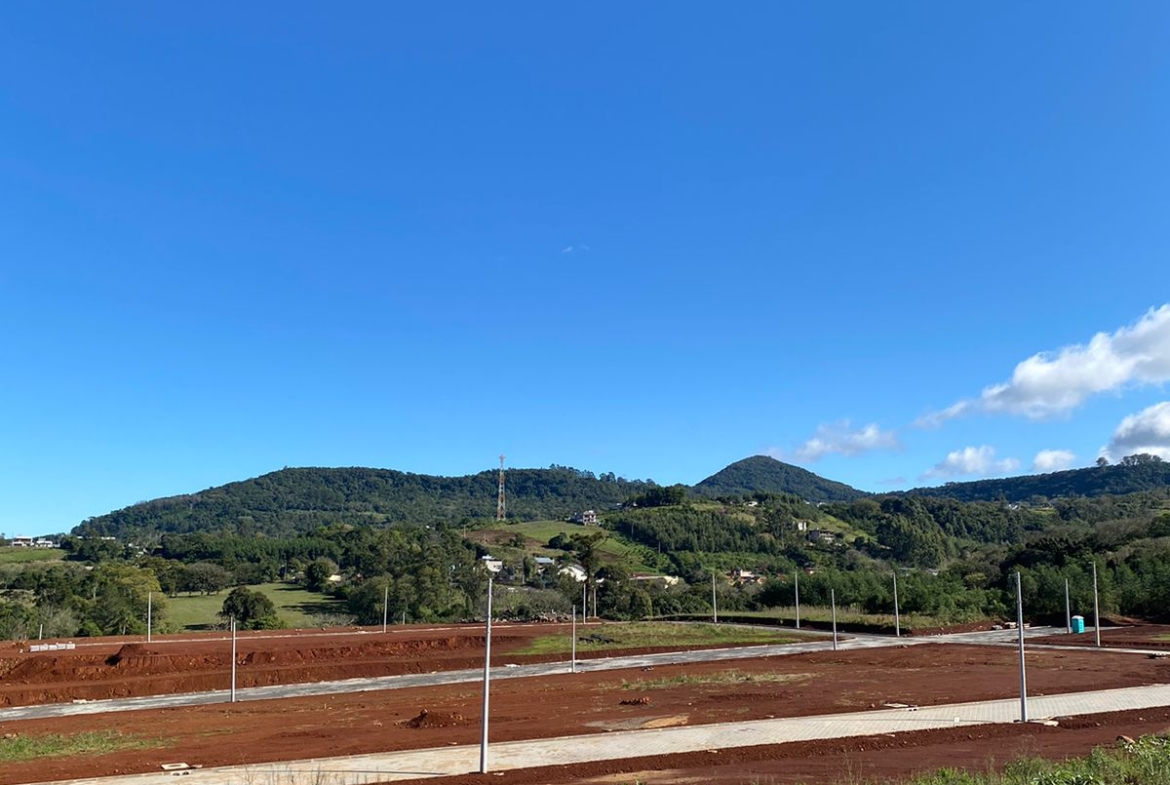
column 897, row 617
column 1067, row 609
column 233, row 659
column 796, row 578
column 833, row 601
column 1096, row 607
column 487, row 662
column 1020, row 631
column 385, row 605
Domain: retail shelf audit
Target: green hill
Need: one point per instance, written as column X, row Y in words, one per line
column 297, row 501
column 762, row 474
column 1133, row 474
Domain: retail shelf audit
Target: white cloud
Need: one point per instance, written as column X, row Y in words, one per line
column 567, row 249
column 977, row 461
column 1052, row 460
column 1048, row 384
column 1148, row 431
column 837, row 438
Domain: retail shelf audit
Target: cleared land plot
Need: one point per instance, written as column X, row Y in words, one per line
column 590, row 703
column 126, row 668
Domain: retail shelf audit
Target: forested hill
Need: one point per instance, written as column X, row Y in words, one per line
column 1134, row 473
column 762, row 474
column 296, row 501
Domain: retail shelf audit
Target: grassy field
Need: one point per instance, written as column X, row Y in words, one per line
column 20, row 746
column 643, row 634
column 295, row 606
column 9, row 555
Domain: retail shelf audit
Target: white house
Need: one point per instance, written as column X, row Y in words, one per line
column 492, row 564
column 576, row 571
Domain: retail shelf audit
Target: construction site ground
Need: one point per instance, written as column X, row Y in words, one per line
column 586, row 703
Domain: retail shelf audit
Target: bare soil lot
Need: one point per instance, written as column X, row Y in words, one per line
column 1138, row 636
column 121, row 668
column 796, row 685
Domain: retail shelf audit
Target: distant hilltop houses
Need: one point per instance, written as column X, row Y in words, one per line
column 587, row 518
column 30, row 542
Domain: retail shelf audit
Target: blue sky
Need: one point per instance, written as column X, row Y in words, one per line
column 645, row 238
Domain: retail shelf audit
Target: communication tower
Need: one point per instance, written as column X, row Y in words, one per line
column 500, row 506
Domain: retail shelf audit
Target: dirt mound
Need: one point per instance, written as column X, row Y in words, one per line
column 436, row 719
column 128, row 651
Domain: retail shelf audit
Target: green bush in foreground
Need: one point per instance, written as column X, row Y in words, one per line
column 1143, row 762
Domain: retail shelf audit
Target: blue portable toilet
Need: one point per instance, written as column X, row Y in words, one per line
column 1078, row 623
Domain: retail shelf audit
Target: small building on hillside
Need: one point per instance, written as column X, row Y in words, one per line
column 660, row 580
column 491, row 564
column 587, row 518
column 742, row 577
column 575, row 571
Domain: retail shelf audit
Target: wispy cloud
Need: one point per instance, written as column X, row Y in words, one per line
column 839, row 439
column 579, row 248
column 1052, row 460
column 1148, row 431
column 1052, row 383
column 971, row 461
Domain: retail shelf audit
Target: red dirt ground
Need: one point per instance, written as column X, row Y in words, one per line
column 795, row 685
column 1140, row 636
column 120, row 668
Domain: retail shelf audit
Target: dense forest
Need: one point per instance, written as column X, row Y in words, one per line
column 1132, row 474
column 293, row 502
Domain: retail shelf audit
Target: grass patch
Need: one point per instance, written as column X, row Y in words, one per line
column 294, row 605
column 10, row 555
column 1144, row 762
column 818, row 614
column 639, row 635
column 722, row 678
column 19, row 747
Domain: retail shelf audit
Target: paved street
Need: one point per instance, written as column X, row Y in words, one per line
column 383, row 767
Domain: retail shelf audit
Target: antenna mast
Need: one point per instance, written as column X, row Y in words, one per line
column 500, row 506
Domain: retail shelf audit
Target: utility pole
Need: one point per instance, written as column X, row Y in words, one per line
column 1020, row 630
column 233, row 659
column 897, row 617
column 149, row 613
column 573, row 647
column 595, row 600
column 1096, row 607
column 584, row 603
column 796, row 577
column 833, row 601
column 714, row 606
column 385, row 605
column 1067, row 609
column 487, row 664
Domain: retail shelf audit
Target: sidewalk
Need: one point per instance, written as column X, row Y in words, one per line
column 414, row 764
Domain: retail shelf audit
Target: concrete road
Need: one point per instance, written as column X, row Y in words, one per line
column 383, row 767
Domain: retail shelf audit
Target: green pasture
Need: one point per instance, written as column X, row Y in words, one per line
column 10, row 555
column 634, row 635
column 295, row 606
